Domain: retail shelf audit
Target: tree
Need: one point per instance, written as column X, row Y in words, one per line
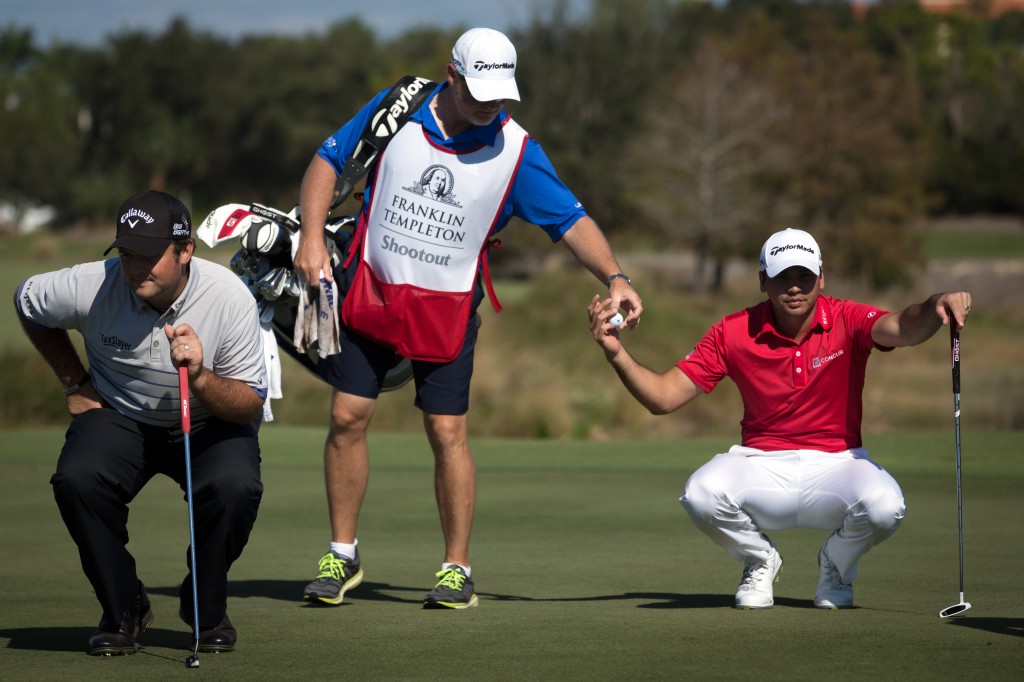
column 38, row 117
column 857, row 131
column 148, row 99
column 796, row 123
column 586, row 87
column 705, row 154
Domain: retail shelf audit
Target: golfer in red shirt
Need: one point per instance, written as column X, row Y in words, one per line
column 798, row 359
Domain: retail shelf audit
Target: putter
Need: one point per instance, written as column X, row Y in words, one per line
column 186, row 428
column 960, row 607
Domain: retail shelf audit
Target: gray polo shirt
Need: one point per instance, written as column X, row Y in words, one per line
column 128, row 352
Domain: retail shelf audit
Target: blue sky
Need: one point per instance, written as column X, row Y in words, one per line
column 87, row 22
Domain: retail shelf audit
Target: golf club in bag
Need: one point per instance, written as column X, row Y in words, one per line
column 960, row 607
column 186, row 429
column 264, row 263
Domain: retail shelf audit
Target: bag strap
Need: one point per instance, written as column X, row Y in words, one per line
column 401, row 102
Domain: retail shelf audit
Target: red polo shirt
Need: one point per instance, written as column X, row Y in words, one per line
column 795, row 396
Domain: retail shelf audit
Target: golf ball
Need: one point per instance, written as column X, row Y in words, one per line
column 616, row 320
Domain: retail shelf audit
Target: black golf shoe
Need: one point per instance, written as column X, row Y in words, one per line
column 137, row 617
column 218, row 640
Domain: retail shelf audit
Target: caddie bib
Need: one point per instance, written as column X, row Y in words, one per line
column 427, row 228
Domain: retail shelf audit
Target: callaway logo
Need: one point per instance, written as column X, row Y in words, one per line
column 385, row 123
column 138, row 215
column 776, row 250
column 484, row 66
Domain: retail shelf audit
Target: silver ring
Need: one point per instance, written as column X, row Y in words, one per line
column 186, row 346
column 966, row 307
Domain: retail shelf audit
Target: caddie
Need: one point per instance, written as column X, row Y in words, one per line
column 450, row 179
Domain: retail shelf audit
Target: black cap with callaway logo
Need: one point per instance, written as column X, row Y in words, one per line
column 149, row 221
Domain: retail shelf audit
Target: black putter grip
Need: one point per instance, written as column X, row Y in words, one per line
column 954, row 348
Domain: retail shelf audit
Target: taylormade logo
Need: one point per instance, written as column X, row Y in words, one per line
column 484, row 66
column 776, row 250
column 385, row 122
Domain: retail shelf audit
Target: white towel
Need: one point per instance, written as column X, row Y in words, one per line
column 328, row 327
column 316, row 319
column 272, row 359
column 306, row 327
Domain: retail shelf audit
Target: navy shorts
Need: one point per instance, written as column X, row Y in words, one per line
column 361, row 365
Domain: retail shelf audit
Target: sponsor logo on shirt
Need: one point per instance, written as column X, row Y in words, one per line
column 818, row 362
column 115, row 342
column 437, row 183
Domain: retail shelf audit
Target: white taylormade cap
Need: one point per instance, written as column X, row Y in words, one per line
column 487, row 59
column 788, row 248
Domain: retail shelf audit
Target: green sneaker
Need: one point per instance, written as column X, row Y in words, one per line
column 454, row 590
column 338, row 574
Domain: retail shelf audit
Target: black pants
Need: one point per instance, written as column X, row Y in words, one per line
column 107, row 459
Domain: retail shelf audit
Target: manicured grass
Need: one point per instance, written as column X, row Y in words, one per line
column 586, row 566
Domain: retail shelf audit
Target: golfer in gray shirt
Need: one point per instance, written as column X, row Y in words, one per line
column 142, row 315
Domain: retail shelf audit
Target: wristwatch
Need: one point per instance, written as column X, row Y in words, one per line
column 73, row 388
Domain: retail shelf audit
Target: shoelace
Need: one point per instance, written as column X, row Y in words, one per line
column 331, row 567
column 832, row 578
column 754, row 574
column 451, row 578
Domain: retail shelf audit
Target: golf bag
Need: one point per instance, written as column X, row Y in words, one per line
column 265, row 260
column 264, row 263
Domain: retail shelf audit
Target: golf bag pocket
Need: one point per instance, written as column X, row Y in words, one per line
column 418, row 323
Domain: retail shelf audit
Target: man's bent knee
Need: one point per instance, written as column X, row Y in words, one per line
column 886, row 512
column 701, row 498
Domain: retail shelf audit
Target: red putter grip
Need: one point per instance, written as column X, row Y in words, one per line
column 186, row 414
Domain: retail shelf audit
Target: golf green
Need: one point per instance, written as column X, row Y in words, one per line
column 585, row 565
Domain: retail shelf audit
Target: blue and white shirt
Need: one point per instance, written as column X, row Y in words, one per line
column 537, row 196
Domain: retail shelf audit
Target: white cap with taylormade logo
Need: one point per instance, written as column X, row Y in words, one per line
column 487, row 60
column 790, row 248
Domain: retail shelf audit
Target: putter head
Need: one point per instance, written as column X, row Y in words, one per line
column 955, row 610
column 192, row 661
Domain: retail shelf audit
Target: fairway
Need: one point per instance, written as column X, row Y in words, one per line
column 586, row 566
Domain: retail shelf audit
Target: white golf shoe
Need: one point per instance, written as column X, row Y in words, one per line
column 832, row 592
column 755, row 590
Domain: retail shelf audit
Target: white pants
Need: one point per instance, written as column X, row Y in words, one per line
column 740, row 493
